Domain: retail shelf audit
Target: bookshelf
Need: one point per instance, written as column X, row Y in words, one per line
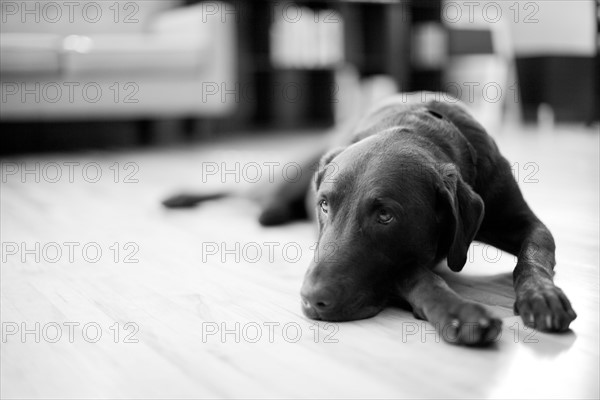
column 289, row 53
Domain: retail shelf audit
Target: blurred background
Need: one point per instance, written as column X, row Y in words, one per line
column 124, row 74
column 108, row 107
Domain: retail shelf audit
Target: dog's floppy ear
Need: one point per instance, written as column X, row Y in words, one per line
column 464, row 211
column 325, row 170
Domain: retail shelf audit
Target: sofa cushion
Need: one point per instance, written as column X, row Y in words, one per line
column 135, row 53
column 30, row 53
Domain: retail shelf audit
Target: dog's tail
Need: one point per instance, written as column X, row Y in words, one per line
column 188, row 200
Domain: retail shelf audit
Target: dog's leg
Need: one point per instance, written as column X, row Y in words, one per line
column 188, row 200
column 511, row 226
column 456, row 319
column 541, row 304
column 288, row 202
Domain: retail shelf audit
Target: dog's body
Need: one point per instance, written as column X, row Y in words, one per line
column 416, row 182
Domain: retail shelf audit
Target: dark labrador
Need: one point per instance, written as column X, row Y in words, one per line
column 417, row 182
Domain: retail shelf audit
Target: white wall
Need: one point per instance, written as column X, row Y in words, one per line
column 546, row 27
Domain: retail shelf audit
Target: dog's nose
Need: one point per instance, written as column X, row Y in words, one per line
column 320, row 300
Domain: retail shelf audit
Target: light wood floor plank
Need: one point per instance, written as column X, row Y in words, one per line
column 176, row 292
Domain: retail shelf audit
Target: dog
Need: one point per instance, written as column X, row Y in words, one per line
column 414, row 183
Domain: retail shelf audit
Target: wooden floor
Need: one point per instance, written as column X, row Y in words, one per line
column 188, row 320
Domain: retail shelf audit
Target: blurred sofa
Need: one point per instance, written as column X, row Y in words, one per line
column 115, row 60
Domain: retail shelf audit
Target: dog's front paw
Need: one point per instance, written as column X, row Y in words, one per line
column 470, row 324
column 544, row 307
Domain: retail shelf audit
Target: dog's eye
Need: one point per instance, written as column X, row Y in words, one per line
column 324, row 206
column 384, row 216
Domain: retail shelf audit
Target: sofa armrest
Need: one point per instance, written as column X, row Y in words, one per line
column 215, row 29
column 133, row 53
column 30, row 53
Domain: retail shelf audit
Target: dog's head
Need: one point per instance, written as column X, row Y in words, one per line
column 383, row 207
